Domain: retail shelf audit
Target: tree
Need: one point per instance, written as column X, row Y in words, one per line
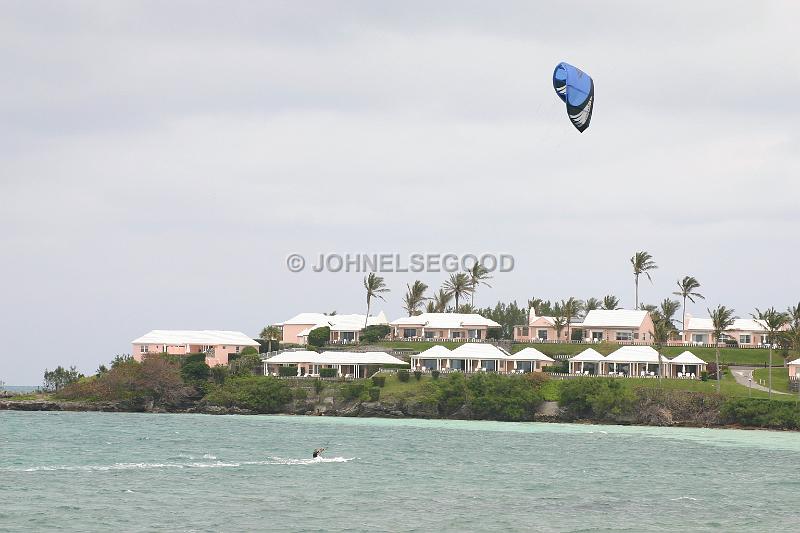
column 441, row 300
column 559, row 323
column 667, row 311
column 794, row 315
column 662, row 327
column 591, row 304
column 219, row 374
column 375, row 286
column 721, row 319
column 270, row 334
column 534, row 304
column 374, row 333
column 478, row 275
column 772, row 321
column 458, row 286
column 195, row 372
column 687, row 289
column 59, row 378
column 121, row 359
column 246, row 365
column 610, row 302
column 319, row 337
column 570, row 308
column 642, row 263
column 415, row 295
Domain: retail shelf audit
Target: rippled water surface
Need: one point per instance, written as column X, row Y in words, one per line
column 143, row 472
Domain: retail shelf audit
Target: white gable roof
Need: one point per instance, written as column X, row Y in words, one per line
column 335, row 358
column 202, row 337
column 549, row 319
column 617, row 318
column 795, row 362
column 635, row 354
column 687, row 358
column 335, row 322
column 445, row 320
column 589, row 355
column 478, row 350
column 434, row 352
column 530, row 354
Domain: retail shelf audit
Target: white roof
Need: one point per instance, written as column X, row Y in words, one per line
column 445, row 320
column 617, row 318
column 478, row 350
column 589, row 355
column 203, row 337
column 533, row 318
column 336, row 358
column 530, row 354
column 335, row 322
column 687, row 358
column 795, row 362
column 739, row 324
column 635, row 354
column 434, row 352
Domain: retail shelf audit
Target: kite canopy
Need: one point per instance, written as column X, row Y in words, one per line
column 576, row 89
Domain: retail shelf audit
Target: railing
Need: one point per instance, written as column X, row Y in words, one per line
column 688, row 344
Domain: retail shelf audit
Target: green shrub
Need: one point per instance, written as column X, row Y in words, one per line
column 403, row 375
column 379, row 381
column 417, row 375
column 602, row 399
column 435, row 374
column 262, row 394
column 219, row 374
column 374, row 394
column 194, row 358
column 327, row 372
column 195, row 372
column 560, row 367
column 356, row 390
column 287, row 371
column 703, row 375
column 248, row 350
column 374, row 333
column 300, row 393
column 319, row 337
column 497, row 397
column 759, row 412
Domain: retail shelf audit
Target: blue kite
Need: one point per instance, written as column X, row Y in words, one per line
column 576, row 89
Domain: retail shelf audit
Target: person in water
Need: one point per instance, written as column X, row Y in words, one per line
column 318, row 452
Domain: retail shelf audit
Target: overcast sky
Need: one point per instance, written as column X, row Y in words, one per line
column 159, row 160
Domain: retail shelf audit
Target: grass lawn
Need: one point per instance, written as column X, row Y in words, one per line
column 780, row 378
column 396, row 389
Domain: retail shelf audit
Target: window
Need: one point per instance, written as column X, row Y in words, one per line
column 523, row 331
column 455, row 335
column 597, row 335
column 430, row 334
column 624, row 335
column 701, row 338
column 744, row 339
column 237, row 349
column 347, row 335
column 473, row 334
column 409, row 333
column 636, row 336
column 541, row 334
column 144, row 348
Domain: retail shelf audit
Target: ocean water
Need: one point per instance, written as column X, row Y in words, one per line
column 145, row 472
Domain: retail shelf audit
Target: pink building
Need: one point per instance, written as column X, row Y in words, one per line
column 442, row 326
column 539, row 329
column 344, row 328
column 744, row 332
column 618, row 325
column 217, row 345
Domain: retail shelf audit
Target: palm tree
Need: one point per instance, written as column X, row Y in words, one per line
column 591, row 304
column 794, row 314
column 721, row 319
column 559, row 322
column 478, row 275
column 269, row 334
column 772, row 321
column 688, row 287
column 642, row 263
column 430, row 307
column 441, row 300
column 570, row 309
column 662, row 327
column 610, row 302
column 414, row 297
column 667, row 311
column 375, row 287
column 458, row 286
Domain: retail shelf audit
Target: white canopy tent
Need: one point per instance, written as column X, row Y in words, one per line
column 588, row 361
column 686, row 365
column 436, row 357
column 528, row 360
column 346, row 363
column 634, row 361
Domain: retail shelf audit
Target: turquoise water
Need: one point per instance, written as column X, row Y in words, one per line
column 144, row 472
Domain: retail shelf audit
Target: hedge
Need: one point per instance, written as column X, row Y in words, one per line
column 327, row 372
column 374, row 394
column 403, row 375
column 287, row 371
column 379, row 381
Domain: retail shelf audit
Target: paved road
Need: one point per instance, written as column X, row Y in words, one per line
column 743, row 374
